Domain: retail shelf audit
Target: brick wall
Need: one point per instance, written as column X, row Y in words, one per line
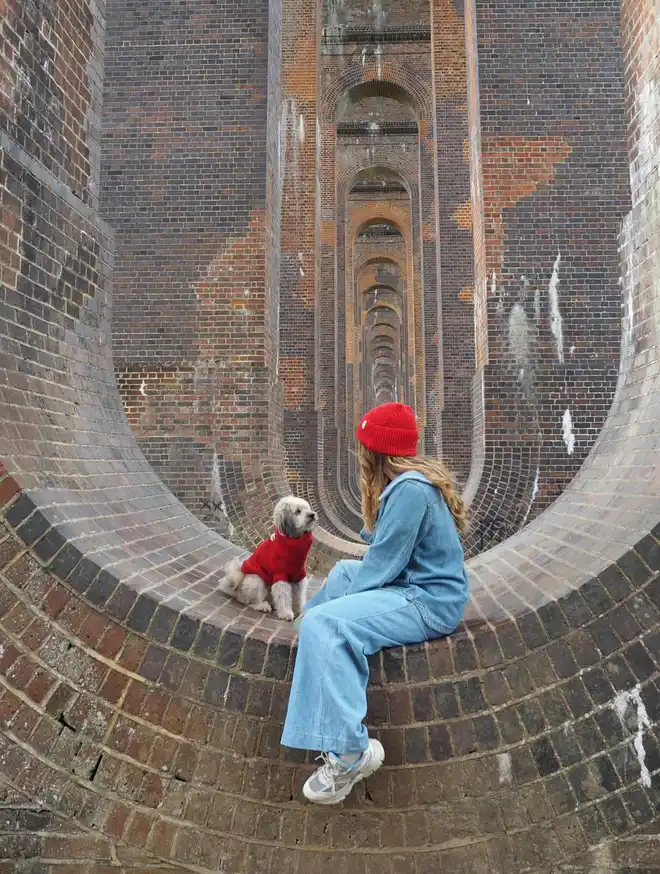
column 191, row 185
column 513, row 200
column 555, row 188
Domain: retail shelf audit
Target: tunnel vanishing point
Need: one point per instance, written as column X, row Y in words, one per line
column 227, row 229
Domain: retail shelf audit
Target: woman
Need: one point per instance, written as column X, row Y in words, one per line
column 410, row 587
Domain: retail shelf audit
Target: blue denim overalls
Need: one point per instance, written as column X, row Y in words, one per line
column 410, row 587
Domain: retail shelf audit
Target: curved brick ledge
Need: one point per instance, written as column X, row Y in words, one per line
column 508, row 751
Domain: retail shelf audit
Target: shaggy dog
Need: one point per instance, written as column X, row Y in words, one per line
column 275, row 573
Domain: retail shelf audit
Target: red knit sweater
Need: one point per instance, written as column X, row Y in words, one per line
column 279, row 559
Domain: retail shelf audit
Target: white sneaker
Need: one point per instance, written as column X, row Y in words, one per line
column 333, row 781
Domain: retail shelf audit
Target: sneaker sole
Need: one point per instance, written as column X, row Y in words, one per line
column 377, row 760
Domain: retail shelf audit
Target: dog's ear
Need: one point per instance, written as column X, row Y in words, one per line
column 283, row 518
column 288, row 523
column 278, row 515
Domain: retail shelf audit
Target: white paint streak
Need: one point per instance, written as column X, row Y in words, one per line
column 300, row 263
column 632, row 700
column 143, row 389
column 216, row 493
column 567, row 431
column 494, row 292
column 535, row 487
column 535, row 491
column 504, row 766
column 378, row 14
column 556, row 321
column 630, row 317
column 519, row 336
column 379, row 70
column 301, row 129
column 537, row 305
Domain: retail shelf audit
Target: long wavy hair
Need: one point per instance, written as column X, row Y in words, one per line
column 376, row 471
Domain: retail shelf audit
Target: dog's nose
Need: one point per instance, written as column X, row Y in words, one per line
column 311, row 515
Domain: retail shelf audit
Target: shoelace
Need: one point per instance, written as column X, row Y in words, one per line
column 331, row 768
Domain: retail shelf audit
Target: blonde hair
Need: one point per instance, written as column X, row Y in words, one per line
column 376, row 471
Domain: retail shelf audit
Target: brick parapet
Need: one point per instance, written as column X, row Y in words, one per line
column 167, row 731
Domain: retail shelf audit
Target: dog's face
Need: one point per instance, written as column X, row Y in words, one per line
column 293, row 517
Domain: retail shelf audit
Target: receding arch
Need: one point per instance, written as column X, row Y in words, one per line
column 375, row 172
column 382, row 306
column 375, row 88
column 389, row 228
column 382, row 286
column 379, row 259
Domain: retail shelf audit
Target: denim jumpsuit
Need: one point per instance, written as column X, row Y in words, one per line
column 410, row 587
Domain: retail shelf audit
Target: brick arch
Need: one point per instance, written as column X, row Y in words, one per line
column 389, row 170
column 398, row 214
column 370, row 213
column 362, row 230
column 375, row 88
column 382, row 309
column 383, row 319
column 386, row 329
column 405, row 168
column 395, row 75
column 373, row 257
column 335, row 188
column 405, row 76
column 376, row 314
column 386, row 300
column 391, row 299
column 376, row 286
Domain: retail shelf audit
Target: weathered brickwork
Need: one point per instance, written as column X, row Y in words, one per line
column 157, row 736
column 555, row 188
column 515, row 195
column 192, row 189
column 140, row 711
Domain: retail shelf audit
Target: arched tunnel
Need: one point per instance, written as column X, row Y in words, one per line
column 226, row 232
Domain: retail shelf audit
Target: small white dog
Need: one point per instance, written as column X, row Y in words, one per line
column 275, row 575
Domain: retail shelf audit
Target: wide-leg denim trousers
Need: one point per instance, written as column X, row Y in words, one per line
column 338, row 632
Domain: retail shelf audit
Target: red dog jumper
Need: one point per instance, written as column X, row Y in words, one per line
column 279, row 559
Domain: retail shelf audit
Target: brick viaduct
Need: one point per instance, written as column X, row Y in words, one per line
column 226, row 229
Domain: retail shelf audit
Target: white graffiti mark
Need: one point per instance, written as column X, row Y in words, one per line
column 556, row 321
column 567, row 431
column 632, row 701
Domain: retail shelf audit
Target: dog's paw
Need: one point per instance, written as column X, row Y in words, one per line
column 263, row 607
column 285, row 615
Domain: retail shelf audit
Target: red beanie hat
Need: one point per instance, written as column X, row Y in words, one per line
column 390, row 429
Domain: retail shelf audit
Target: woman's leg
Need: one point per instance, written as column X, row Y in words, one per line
column 328, row 694
column 338, row 580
